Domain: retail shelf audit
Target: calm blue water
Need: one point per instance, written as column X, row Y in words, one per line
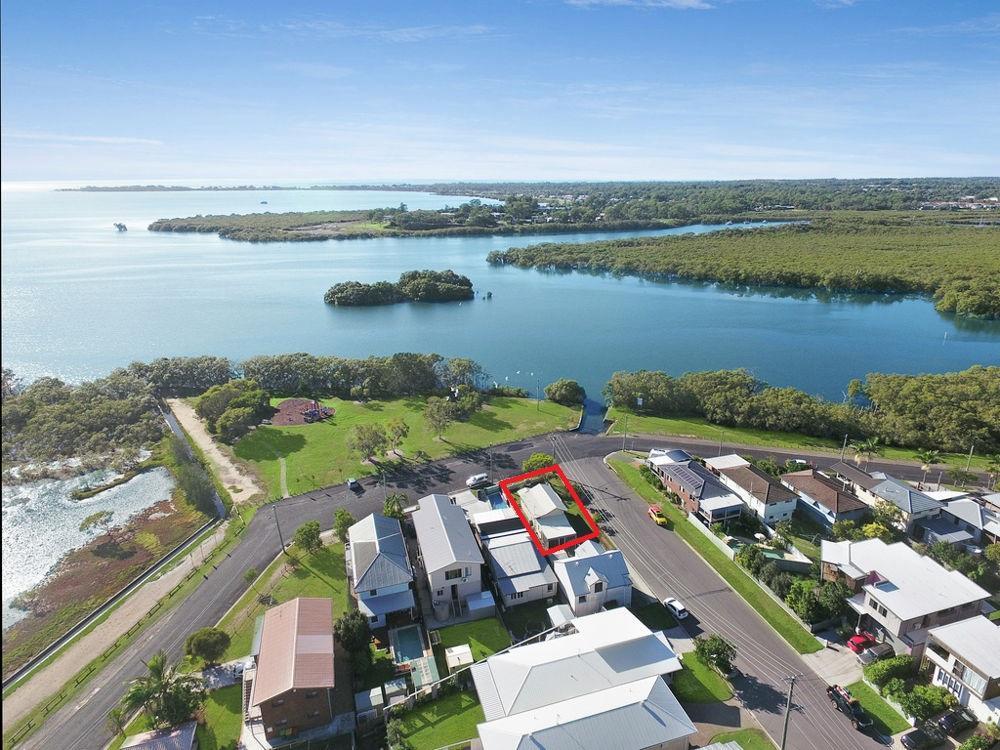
column 80, row 299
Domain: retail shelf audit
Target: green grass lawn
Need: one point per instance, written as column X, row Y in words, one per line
column 786, row 626
column 748, row 739
column 527, row 618
column 449, row 719
column 807, row 536
column 887, row 719
column 319, row 574
column 697, row 427
column 486, row 637
column 655, row 616
column 316, row 455
column 699, row 683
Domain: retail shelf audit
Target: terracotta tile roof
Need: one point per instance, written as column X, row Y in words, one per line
column 828, row 492
column 296, row 648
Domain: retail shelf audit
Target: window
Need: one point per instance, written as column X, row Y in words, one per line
column 373, row 619
column 549, row 587
column 582, row 599
column 278, row 702
column 440, row 592
column 599, row 587
column 312, row 714
column 372, row 592
column 312, row 693
column 283, row 722
column 450, row 575
column 517, row 595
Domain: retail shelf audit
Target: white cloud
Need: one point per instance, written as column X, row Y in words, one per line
column 673, row 4
column 335, row 29
column 114, row 140
column 322, row 71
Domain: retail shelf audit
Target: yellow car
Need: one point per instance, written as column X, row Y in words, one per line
column 656, row 514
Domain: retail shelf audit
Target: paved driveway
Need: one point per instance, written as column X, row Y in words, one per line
column 669, row 567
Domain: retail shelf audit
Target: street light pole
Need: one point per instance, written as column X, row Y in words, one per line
column 788, row 708
column 843, row 448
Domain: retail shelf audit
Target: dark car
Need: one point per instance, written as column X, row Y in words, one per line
column 956, row 721
column 922, row 739
column 849, row 705
column 874, row 653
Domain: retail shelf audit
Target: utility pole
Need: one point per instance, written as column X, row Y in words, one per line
column 625, row 434
column 274, row 511
column 968, row 464
column 843, row 448
column 538, row 400
column 788, row 709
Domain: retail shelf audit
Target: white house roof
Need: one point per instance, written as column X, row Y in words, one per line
column 713, row 504
column 516, row 563
column 444, row 534
column 969, row 511
column 378, row 553
column 555, row 525
column 909, row 584
column 540, row 500
column 663, row 456
column 577, row 574
column 609, row 649
column 638, row 714
column 729, row 461
column 975, row 641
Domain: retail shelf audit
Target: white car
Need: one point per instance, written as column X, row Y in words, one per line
column 477, row 480
column 677, row 609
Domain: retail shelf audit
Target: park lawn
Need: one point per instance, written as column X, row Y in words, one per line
column 748, row 739
column 698, row 682
column 445, row 721
column 319, row 574
column 317, row 455
column 697, row 427
column 485, row 637
column 887, row 719
column 525, row 619
column 798, row 637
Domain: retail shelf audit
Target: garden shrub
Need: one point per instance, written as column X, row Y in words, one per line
column 880, row 672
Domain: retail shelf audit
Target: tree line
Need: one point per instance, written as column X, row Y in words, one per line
column 958, row 265
column 413, row 286
column 949, row 411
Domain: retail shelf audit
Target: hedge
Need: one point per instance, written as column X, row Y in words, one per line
column 880, row 672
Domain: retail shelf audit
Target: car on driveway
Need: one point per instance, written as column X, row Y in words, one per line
column 353, row 484
column 477, row 480
column 923, row 738
column 655, row 512
column 876, row 652
column 849, row 705
column 677, row 609
column 861, row 641
column 956, row 721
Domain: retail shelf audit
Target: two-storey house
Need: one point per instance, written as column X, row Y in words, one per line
column 966, row 660
column 900, row 594
column 380, row 572
column 823, row 499
column 592, row 578
column 449, row 555
column 768, row 498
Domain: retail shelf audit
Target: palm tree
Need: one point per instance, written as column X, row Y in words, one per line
column 927, row 459
column 117, row 720
column 868, row 447
column 165, row 695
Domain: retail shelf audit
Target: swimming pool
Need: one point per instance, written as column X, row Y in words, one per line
column 407, row 644
column 496, row 498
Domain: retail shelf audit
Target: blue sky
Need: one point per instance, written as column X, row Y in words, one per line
column 541, row 89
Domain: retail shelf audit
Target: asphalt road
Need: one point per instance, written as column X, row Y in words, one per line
column 82, row 723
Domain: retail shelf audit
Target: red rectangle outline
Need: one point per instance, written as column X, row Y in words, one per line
column 555, row 468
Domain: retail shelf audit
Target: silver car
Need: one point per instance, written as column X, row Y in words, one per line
column 874, row 653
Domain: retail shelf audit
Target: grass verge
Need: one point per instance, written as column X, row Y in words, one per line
column 887, row 719
column 758, row 600
column 699, row 683
column 748, row 739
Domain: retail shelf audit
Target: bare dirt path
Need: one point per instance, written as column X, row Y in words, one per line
column 46, row 681
column 240, row 484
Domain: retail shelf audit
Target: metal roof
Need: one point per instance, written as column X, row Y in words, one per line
column 903, row 496
column 374, row 606
column 378, row 553
column 975, row 641
column 513, row 556
column 180, row 737
column 444, row 534
column 576, row 573
column 296, row 648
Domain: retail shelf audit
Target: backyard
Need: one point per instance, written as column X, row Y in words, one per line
column 221, row 716
column 786, row 626
column 485, row 637
column 317, row 455
column 444, row 721
column 528, row 619
column 321, row 573
column 697, row 427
